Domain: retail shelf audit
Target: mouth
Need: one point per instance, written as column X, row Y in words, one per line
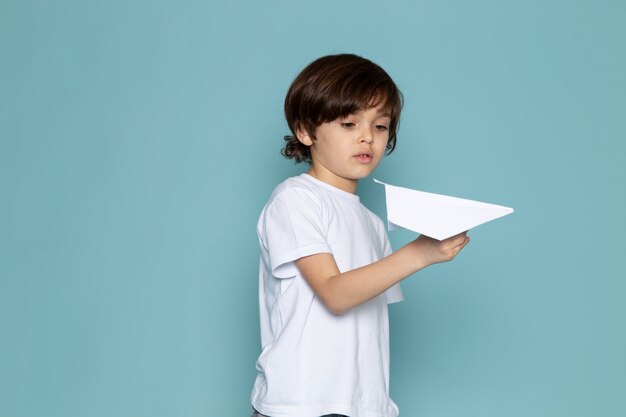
column 364, row 157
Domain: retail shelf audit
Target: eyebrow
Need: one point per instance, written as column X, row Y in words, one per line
column 383, row 112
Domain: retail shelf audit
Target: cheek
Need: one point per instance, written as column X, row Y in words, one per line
column 381, row 145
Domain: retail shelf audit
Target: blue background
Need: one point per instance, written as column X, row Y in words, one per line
column 140, row 140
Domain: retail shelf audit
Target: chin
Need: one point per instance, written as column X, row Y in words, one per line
column 364, row 175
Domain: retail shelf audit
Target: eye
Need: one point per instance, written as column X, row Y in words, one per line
column 347, row 125
column 382, row 128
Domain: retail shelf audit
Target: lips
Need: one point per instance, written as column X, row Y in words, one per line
column 364, row 157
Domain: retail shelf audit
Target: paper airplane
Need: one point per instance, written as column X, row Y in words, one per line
column 435, row 215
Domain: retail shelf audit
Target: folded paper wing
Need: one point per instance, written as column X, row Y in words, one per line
column 435, row 215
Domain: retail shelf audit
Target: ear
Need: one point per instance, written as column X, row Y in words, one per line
column 304, row 137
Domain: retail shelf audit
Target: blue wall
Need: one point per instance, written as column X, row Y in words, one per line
column 140, row 139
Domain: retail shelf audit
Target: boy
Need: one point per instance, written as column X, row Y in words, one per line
column 327, row 271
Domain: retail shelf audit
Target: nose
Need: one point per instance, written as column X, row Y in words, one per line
column 367, row 136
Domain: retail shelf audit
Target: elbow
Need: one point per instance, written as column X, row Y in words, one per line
column 338, row 311
column 335, row 305
column 333, row 297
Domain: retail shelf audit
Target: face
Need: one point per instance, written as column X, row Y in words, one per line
column 348, row 149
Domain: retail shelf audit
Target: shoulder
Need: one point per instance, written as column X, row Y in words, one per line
column 294, row 212
column 296, row 191
column 293, row 201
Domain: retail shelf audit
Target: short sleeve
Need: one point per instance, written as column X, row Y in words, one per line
column 291, row 227
column 394, row 293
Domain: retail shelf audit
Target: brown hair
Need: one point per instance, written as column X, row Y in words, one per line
column 336, row 86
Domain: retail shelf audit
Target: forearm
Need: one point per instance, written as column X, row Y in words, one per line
column 343, row 291
column 347, row 290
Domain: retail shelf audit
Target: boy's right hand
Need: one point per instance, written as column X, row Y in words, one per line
column 432, row 251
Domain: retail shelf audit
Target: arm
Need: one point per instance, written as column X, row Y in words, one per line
column 342, row 291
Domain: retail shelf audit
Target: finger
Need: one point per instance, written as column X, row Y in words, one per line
column 459, row 239
column 460, row 244
column 452, row 241
column 464, row 243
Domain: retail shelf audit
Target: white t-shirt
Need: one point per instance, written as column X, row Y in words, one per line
column 314, row 362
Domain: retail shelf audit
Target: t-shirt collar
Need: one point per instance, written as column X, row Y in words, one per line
column 341, row 193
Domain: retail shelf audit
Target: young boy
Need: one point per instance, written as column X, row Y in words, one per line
column 327, row 271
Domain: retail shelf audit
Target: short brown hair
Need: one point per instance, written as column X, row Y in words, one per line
column 336, row 86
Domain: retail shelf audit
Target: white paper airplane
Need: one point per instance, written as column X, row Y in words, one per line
column 435, row 215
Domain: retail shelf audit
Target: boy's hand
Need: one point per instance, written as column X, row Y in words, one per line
column 432, row 251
